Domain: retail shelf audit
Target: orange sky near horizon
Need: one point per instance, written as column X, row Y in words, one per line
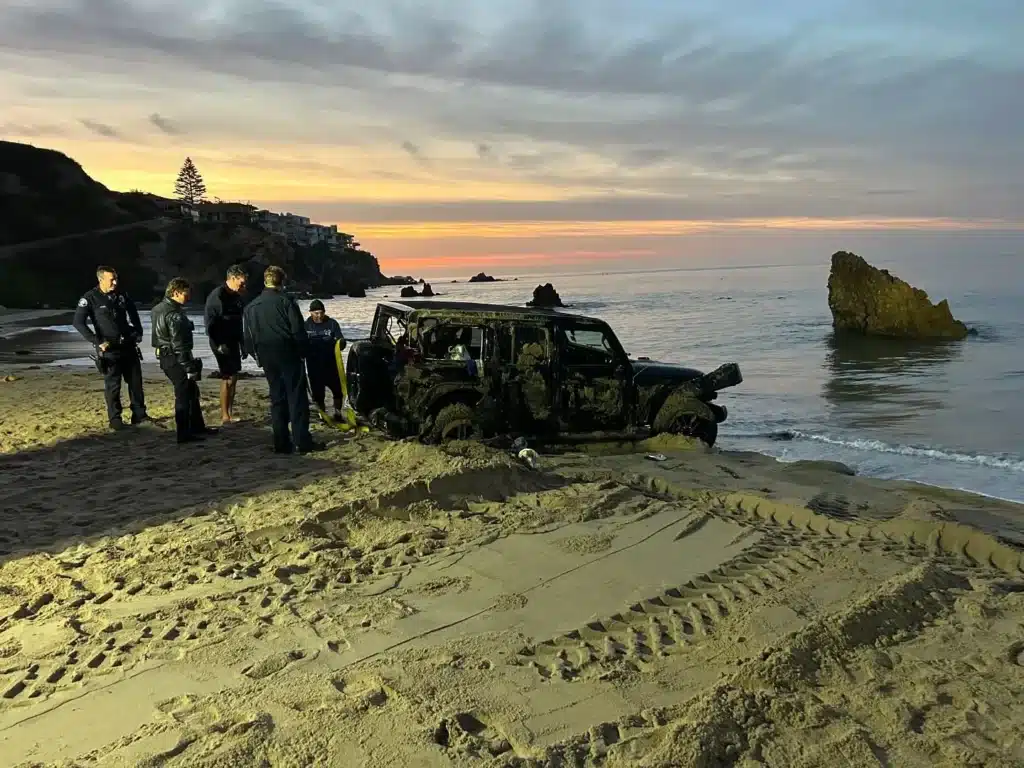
column 448, row 246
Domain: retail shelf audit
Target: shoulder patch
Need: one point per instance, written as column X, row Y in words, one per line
column 83, row 302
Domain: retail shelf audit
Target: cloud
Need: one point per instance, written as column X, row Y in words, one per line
column 30, row 131
column 164, row 125
column 101, row 129
column 808, row 108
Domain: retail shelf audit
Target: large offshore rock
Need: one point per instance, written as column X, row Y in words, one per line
column 873, row 302
column 545, row 296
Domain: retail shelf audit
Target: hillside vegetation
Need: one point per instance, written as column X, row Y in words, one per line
column 57, row 224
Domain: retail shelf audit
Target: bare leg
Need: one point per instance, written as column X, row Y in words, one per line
column 227, row 398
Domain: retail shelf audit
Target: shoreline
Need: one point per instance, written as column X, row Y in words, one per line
column 26, row 345
column 388, row 603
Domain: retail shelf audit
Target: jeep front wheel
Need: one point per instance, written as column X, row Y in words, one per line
column 454, row 422
column 688, row 418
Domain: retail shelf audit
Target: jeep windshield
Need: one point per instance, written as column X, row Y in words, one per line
column 588, row 343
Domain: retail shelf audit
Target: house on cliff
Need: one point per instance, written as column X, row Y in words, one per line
column 227, row 213
column 301, row 231
column 176, row 209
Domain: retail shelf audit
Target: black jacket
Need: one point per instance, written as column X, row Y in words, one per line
column 172, row 331
column 114, row 318
column 223, row 317
column 274, row 330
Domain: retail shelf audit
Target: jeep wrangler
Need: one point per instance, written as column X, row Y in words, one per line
column 444, row 370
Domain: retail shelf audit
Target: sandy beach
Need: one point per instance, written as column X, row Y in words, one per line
column 392, row 604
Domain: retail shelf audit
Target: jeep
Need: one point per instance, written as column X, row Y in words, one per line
column 442, row 370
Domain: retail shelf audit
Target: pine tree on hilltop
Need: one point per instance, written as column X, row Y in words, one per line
column 189, row 188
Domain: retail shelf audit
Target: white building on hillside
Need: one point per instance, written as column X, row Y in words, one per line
column 298, row 229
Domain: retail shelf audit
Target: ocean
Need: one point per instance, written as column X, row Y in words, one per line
column 948, row 414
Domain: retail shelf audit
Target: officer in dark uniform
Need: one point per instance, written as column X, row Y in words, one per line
column 172, row 339
column 116, row 333
column 223, row 318
column 275, row 336
column 324, row 334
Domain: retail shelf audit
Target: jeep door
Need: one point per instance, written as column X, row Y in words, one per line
column 529, row 395
column 595, row 385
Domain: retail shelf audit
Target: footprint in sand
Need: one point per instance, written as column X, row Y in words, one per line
column 272, row 664
column 471, row 732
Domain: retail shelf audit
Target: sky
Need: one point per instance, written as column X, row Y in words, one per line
column 452, row 136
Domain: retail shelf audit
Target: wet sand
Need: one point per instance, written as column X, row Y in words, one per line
column 391, row 604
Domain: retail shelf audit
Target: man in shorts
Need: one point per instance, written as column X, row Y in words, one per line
column 223, row 317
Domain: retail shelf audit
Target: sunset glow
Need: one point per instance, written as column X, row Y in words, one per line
column 460, row 135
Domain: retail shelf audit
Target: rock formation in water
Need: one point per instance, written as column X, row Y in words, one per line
column 870, row 301
column 545, row 296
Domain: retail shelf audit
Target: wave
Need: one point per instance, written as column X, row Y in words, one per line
column 993, row 462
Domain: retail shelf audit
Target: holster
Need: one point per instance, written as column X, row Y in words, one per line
column 99, row 362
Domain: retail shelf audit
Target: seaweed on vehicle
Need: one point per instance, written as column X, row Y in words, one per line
column 450, row 370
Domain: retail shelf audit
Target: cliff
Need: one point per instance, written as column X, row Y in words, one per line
column 57, row 224
column 870, row 301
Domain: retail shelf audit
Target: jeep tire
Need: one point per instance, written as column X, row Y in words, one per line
column 687, row 416
column 454, row 422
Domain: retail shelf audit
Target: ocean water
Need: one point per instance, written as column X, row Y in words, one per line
column 947, row 414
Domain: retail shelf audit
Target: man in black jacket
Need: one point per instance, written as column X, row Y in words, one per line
column 223, row 318
column 275, row 335
column 172, row 340
column 116, row 333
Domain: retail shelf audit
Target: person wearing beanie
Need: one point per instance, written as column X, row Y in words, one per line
column 323, row 333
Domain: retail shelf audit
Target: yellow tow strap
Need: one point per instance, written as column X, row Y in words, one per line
column 348, row 412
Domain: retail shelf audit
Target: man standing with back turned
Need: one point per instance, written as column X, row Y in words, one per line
column 116, row 333
column 275, row 335
column 223, row 317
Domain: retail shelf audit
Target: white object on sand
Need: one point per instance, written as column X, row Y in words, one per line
column 529, row 457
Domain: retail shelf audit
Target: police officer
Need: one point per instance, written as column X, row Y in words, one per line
column 223, row 318
column 172, row 339
column 275, row 335
column 116, row 333
column 324, row 333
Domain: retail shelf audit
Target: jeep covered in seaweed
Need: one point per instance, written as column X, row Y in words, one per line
column 445, row 370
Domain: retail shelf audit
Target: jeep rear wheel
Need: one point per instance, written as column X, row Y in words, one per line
column 687, row 417
column 454, row 422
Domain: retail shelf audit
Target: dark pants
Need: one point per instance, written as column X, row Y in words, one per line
column 188, row 413
column 289, row 404
column 323, row 375
column 124, row 366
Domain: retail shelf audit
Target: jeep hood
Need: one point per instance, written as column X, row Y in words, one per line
column 654, row 372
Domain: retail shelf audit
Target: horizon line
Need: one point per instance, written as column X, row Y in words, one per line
column 426, row 230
